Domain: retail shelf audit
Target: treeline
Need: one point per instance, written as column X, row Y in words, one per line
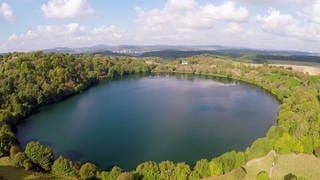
column 40, row 158
column 30, row 80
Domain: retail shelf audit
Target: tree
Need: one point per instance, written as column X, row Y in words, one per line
column 88, row 171
column 6, row 118
column 13, row 151
column 7, row 139
column 259, row 148
column 290, row 176
column 65, row 167
column 215, row 168
column 262, row 175
column 148, row 170
column 40, row 155
column 112, row 175
column 21, row 160
column 182, row 171
column 202, row 167
column 194, row 175
column 316, row 152
column 167, row 170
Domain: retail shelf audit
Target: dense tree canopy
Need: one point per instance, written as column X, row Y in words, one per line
column 88, row 171
column 40, row 155
column 64, row 167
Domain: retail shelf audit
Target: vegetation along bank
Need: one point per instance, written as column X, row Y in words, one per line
column 31, row 80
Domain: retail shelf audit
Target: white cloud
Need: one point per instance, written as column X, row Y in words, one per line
column 314, row 13
column 286, row 25
column 62, row 9
column 278, row 23
column 70, row 35
column 234, row 28
column 6, row 12
column 109, row 30
column 189, row 15
column 275, row 3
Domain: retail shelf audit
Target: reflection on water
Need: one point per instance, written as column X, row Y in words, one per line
column 156, row 117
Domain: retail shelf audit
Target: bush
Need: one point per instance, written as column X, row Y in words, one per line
column 40, row 155
column 88, row 171
column 290, row 176
column 259, row 148
column 13, row 151
column 7, row 140
column 21, row 160
column 262, row 175
column 194, row 175
column 215, row 168
column 182, row 171
column 112, row 175
column 6, row 118
column 167, row 170
column 202, row 167
column 148, row 170
column 125, row 176
column 316, row 152
column 65, row 167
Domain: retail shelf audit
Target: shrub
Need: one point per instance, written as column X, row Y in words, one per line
column 6, row 118
column 202, row 167
column 148, row 170
column 13, row 151
column 290, row 176
column 125, row 176
column 215, row 168
column 88, row 171
column 316, row 152
column 21, row 160
column 40, row 155
column 262, row 175
column 194, row 175
column 7, row 139
column 167, row 170
column 182, row 171
column 284, row 144
column 112, row 175
column 65, row 167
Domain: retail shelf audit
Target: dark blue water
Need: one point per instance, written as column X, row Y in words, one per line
column 178, row 118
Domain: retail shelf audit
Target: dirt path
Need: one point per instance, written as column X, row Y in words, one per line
column 252, row 162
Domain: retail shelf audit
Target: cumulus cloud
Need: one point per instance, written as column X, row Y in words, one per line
column 70, row 35
column 62, row 9
column 189, row 15
column 314, row 12
column 112, row 30
column 275, row 3
column 6, row 12
column 234, row 28
column 286, row 25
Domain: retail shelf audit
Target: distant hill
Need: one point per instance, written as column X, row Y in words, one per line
column 173, row 52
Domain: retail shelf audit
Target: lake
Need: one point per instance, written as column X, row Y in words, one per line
column 156, row 117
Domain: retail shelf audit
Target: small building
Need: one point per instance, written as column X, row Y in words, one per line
column 184, row 62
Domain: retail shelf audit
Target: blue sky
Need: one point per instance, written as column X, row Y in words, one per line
column 265, row 24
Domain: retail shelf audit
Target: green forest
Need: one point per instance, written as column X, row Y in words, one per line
column 31, row 80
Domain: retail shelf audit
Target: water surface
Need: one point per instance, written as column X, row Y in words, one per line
column 156, row 117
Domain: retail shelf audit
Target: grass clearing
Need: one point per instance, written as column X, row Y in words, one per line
column 301, row 165
column 9, row 172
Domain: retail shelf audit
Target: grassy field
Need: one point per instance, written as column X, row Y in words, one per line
column 8, row 172
column 301, row 165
